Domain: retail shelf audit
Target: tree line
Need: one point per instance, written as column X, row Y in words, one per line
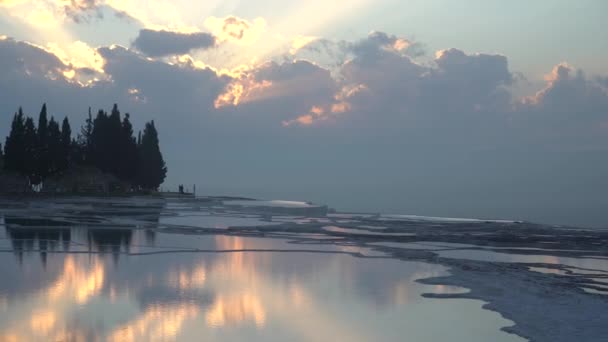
column 106, row 142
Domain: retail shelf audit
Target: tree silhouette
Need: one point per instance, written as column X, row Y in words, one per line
column 14, row 148
column 128, row 152
column 30, row 148
column 106, row 142
column 42, row 155
column 54, row 147
column 152, row 168
column 66, row 145
column 100, row 139
column 82, row 146
column 114, row 135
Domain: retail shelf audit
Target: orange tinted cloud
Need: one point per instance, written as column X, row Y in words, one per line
column 559, row 72
column 340, row 107
column 320, row 113
column 242, row 91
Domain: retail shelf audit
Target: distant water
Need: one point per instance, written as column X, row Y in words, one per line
column 558, row 210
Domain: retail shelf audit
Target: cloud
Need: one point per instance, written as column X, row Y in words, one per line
column 22, row 58
column 330, row 109
column 374, row 78
column 235, row 27
column 377, row 79
column 236, row 30
column 244, row 90
column 163, row 84
column 81, row 10
column 77, row 55
column 569, row 113
column 281, row 90
column 32, row 72
column 165, row 43
column 300, row 42
column 333, row 54
column 464, row 83
column 379, row 42
column 50, row 13
column 569, row 92
column 485, row 70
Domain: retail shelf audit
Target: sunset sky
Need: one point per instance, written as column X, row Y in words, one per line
column 464, row 108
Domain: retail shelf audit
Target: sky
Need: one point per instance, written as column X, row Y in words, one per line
column 472, row 108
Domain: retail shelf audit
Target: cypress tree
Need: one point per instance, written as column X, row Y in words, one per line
column 99, row 142
column 128, row 151
column 87, row 129
column 66, row 145
column 114, row 148
column 30, row 148
column 55, row 150
column 43, row 159
column 82, row 148
column 77, row 152
column 138, row 176
column 152, row 168
column 14, row 148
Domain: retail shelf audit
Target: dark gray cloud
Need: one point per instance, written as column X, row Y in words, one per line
column 274, row 93
column 455, row 90
column 569, row 114
column 21, row 58
column 373, row 47
column 570, row 92
column 85, row 11
column 166, row 43
column 475, row 83
column 377, row 43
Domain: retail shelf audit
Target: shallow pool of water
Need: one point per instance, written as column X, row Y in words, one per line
column 52, row 288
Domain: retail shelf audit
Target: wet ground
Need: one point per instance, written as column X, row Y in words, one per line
column 138, row 269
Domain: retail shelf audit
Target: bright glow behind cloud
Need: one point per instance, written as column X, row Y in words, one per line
column 78, row 55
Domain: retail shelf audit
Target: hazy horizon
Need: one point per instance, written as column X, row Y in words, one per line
column 353, row 199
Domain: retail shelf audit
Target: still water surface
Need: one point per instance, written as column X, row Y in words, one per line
column 77, row 284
